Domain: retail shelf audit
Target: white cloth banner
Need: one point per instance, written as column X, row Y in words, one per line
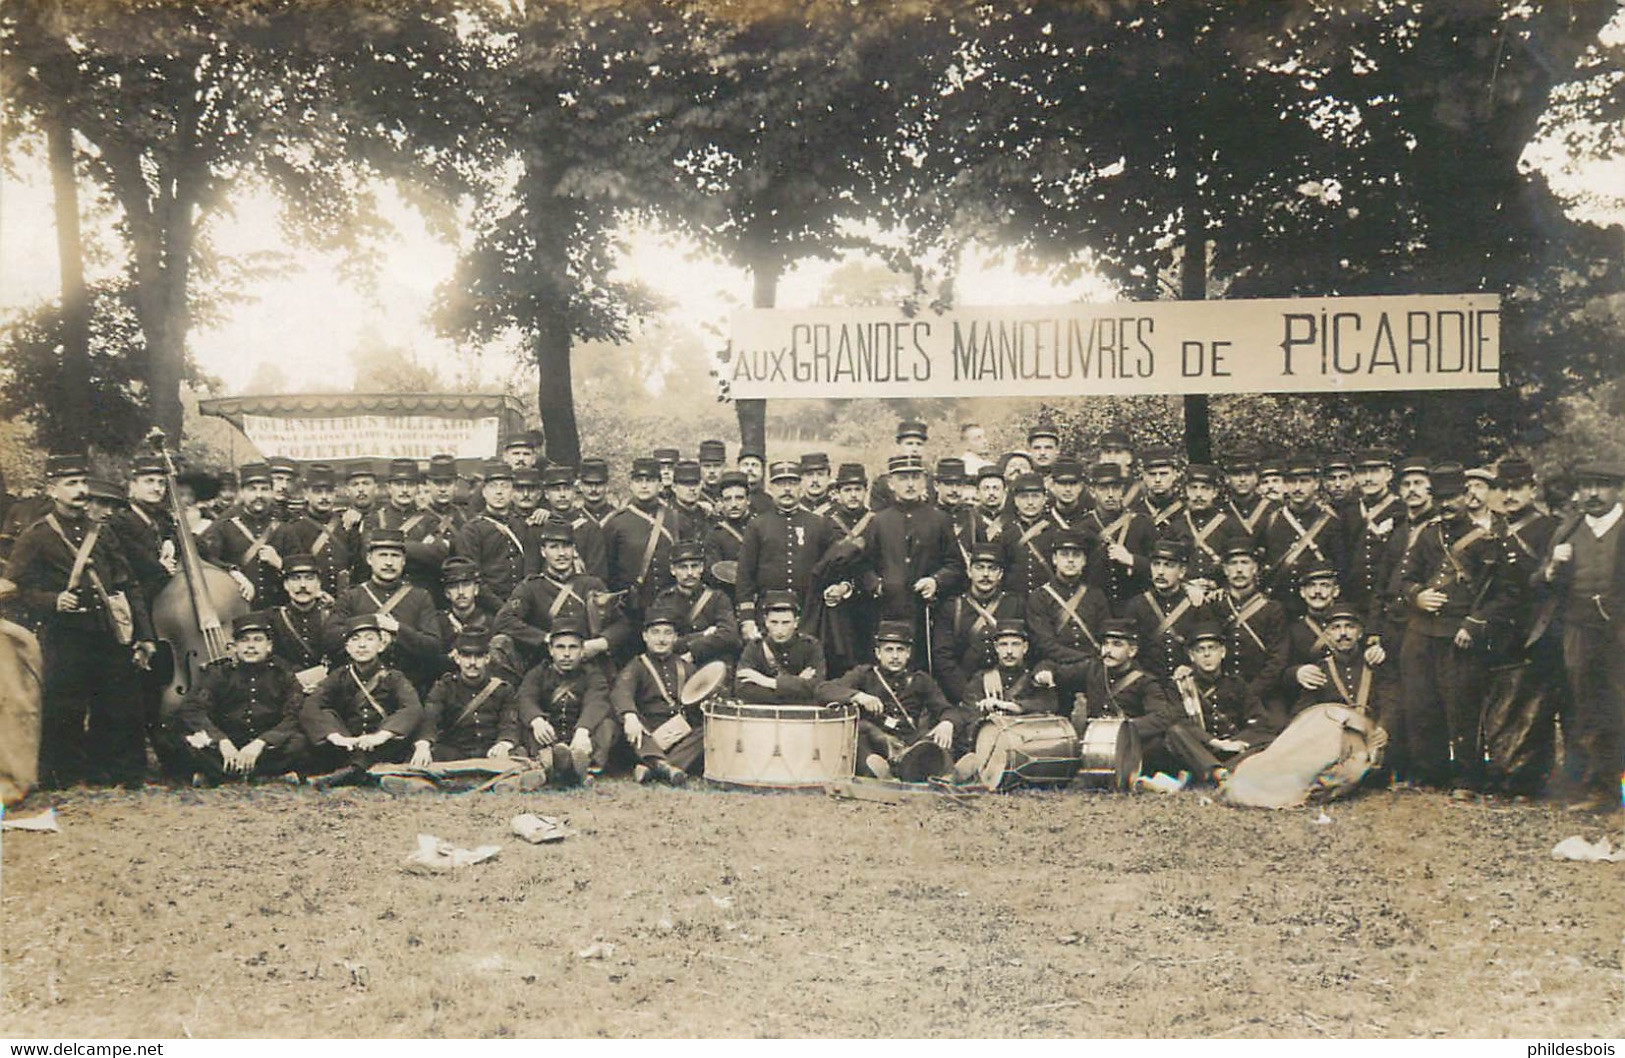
column 1287, row 345
column 372, row 436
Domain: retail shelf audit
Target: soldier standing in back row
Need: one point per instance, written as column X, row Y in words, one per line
column 785, row 549
column 911, row 544
column 638, row 540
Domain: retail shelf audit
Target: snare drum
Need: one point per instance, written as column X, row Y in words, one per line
column 1014, row 751
column 1109, row 753
column 785, row 746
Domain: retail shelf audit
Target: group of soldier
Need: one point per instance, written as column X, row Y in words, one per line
column 521, row 613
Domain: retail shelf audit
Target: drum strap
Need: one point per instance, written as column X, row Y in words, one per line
column 563, row 693
column 1200, row 536
column 478, row 700
column 565, row 594
column 1031, row 535
column 898, row 701
column 701, row 600
column 657, row 529
column 1370, row 515
column 306, row 651
column 991, row 527
column 1246, row 613
column 985, row 617
column 1306, row 537
column 660, row 684
column 254, row 542
column 1113, row 690
column 1069, row 607
column 386, row 605
column 320, row 542
column 1362, row 694
column 1166, row 621
column 409, row 526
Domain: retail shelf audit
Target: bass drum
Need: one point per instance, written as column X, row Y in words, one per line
column 1014, row 751
column 1110, row 754
column 780, row 746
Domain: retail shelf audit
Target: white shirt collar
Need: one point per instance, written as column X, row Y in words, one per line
column 1600, row 526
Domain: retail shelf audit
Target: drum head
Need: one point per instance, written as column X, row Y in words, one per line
column 921, row 761
column 704, row 683
column 1128, row 756
column 991, row 754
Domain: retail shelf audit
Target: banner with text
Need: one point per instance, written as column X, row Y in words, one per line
column 369, row 436
column 1286, row 345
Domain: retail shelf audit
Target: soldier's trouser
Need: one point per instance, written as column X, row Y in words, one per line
column 1387, row 689
column 604, row 734
column 273, row 760
column 1442, row 690
column 92, row 726
column 687, row 753
column 1187, row 743
column 1594, row 655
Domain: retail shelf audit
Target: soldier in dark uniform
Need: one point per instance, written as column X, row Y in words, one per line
column 361, row 489
column 564, row 711
column 559, row 493
column 470, row 713
column 667, row 458
column 1350, row 679
column 686, row 500
column 1121, row 564
column 1304, row 531
column 594, row 484
column 1337, row 480
column 815, row 483
column 753, row 465
column 1244, row 502
column 1165, row 615
column 496, row 541
column 1116, row 447
column 556, row 593
column 284, row 486
column 402, row 611
column 464, row 610
column 1390, row 611
column 783, row 666
column 1205, row 528
column 1272, row 481
column 987, row 518
column 950, row 488
column 785, row 549
column 726, row 535
column 1044, row 444
column 241, row 543
column 962, row 639
column 429, row 540
column 911, row 439
column 1160, row 501
column 1067, row 614
column 1254, row 625
column 1017, row 685
column 527, row 495
column 319, row 532
column 1306, row 641
column 298, row 625
column 911, row 545
column 364, row 711
column 707, row 629
column 1069, row 507
column 1027, row 537
column 92, row 726
column 848, row 618
column 908, row 728
column 713, row 459
column 519, row 450
column 667, row 737
column 1372, row 513
column 242, row 717
column 638, row 539
column 1224, row 719
column 1116, row 685
column 1461, row 579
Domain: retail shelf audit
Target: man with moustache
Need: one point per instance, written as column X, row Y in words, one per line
column 403, row 613
column 638, row 539
column 784, row 549
column 1160, row 500
column 361, row 489
column 1206, row 529
column 1164, row 615
column 962, row 639
column 848, row 619
column 241, row 543
column 909, row 729
column 66, row 569
column 1245, row 502
column 713, row 458
column 558, row 497
column 565, row 715
column 1586, row 568
column 558, row 592
column 1044, row 444
column 1121, row 564
column 1224, row 718
column 1371, row 515
column 1116, row 447
column 815, row 483
column 1028, row 537
column 707, row 629
column 593, row 481
column 297, row 627
column 726, row 535
column 1067, row 613
column 1391, row 611
column 1349, row 676
column 1254, row 625
column 1115, row 684
column 1304, row 531
column 1068, row 506
column 911, row 544
column 987, row 519
column 319, row 533
column 1461, row 582
column 686, row 500
column 497, row 541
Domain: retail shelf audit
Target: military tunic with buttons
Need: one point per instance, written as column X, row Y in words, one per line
column 455, row 733
column 783, row 552
column 243, row 703
column 353, row 701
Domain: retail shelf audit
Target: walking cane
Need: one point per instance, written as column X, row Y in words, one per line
column 928, row 667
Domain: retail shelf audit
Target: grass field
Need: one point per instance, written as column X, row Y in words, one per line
column 278, row 912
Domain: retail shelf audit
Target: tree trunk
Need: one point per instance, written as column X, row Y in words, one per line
column 752, row 414
column 555, row 390
column 70, row 416
column 1193, row 279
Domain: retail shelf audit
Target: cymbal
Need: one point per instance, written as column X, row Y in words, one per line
column 700, row 686
column 726, row 571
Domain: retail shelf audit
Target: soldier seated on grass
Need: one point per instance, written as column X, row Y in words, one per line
column 667, row 738
column 241, row 719
column 565, row 717
column 469, row 730
column 363, row 713
column 908, row 728
column 785, row 666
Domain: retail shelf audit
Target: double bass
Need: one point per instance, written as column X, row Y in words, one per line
column 191, row 611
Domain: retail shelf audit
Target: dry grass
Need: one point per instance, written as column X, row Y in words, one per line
column 280, row 913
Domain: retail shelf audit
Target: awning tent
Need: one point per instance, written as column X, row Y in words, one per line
column 341, row 428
